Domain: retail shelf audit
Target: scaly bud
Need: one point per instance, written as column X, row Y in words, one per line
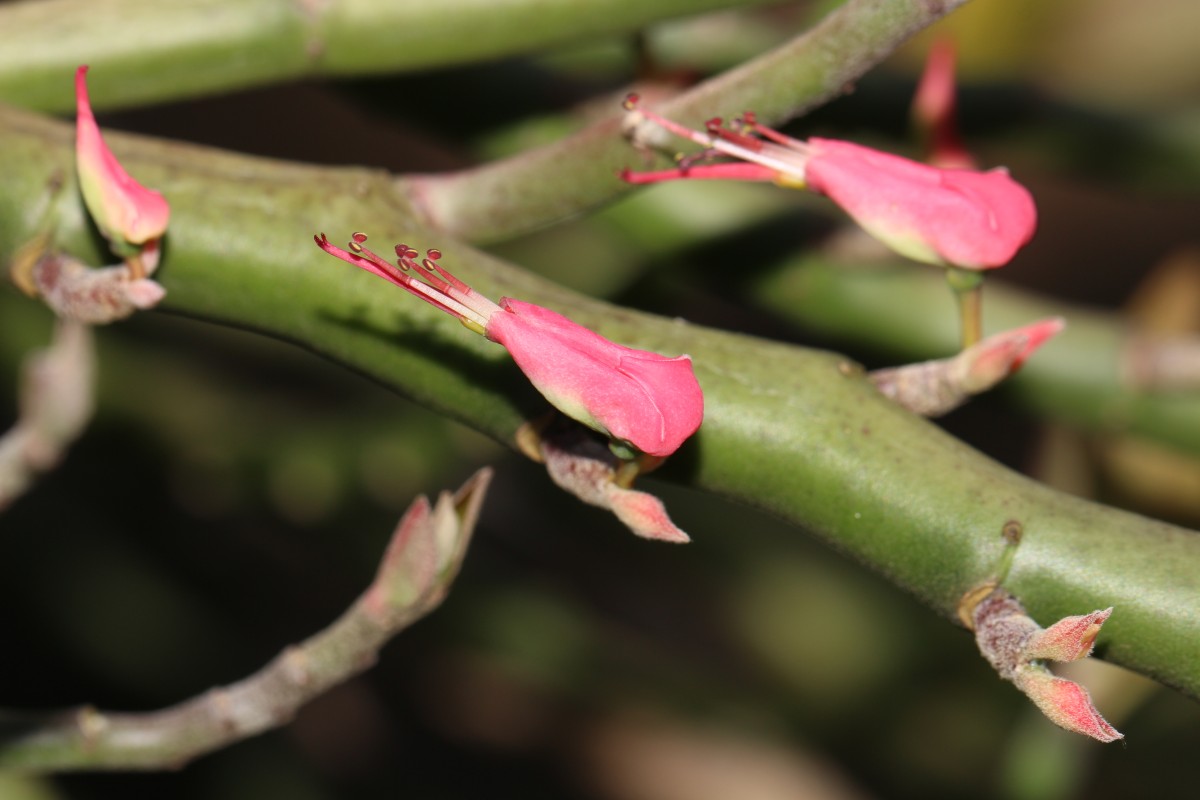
column 1017, row 646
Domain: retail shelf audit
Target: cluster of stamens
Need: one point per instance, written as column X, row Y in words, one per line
column 423, row 277
column 745, row 140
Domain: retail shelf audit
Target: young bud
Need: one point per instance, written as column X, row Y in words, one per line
column 1017, row 647
column 128, row 214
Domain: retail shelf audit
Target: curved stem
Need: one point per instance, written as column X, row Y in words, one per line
column 800, row 433
column 146, row 51
column 504, row 198
column 404, row 590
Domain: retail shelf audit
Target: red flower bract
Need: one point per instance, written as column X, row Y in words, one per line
column 126, row 212
column 951, row 217
column 651, row 401
column 959, row 217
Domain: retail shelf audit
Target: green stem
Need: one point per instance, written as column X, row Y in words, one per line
column 144, row 51
column 799, row 433
column 967, row 286
column 903, row 311
column 504, row 198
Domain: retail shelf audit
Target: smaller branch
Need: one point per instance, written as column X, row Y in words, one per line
column 55, row 406
column 420, row 563
column 505, row 198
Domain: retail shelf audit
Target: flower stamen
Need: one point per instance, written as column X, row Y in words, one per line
column 448, row 294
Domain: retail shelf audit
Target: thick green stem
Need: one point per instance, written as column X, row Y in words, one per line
column 145, row 51
column 800, row 433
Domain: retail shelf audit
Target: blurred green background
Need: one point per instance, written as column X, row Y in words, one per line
column 234, row 494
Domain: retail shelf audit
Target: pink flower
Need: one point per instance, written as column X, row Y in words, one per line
column 1018, row 647
column 950, row 217
column 129, row 215
column 986, row 363
column 651, row 402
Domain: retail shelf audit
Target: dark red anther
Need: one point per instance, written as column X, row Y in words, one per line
column 433, row 253
column 631, row 101
column 714, row 125
column 358, row 236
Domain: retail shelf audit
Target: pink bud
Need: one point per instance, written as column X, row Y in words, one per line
column 651, row 401
column 644, row 514
column 1018, row 647
column 126, row 212
column 1069, row 639
column 986, row 363
column 934, row 109
column 933, row 388
column 953, row 217
column 1065, row 703
column 426, row 551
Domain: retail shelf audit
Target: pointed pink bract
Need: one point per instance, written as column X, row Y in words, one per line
column 990, row 361
column 1069, row 639
column 644, row 514
column 956, row 217
column 1065, row 703
column 125, row 211
column 653, row 402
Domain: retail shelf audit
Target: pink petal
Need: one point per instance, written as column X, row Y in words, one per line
column 1001, row 354
column 963, row 218
column 644, row 514
column 124, row 210
column 651, row 401
column 1065, row 703
column 1069, row 639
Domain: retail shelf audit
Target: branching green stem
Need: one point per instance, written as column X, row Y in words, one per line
column 504, row 198
column 800, row 433
column 1084, row 377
